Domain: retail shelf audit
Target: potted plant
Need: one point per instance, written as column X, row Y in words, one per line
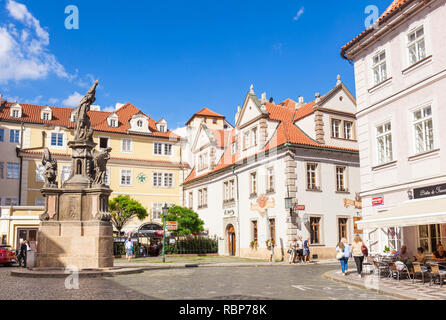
column 253, row 244
column 268, row 244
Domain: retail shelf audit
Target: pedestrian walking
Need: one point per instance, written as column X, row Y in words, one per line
column 307, row 250
column 129, row 249
column 358, row 255
column 343, row 255
column 292, row 251
column 300, row 250
column 22, row 253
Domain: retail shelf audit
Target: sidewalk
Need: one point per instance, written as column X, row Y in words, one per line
column 403, row 289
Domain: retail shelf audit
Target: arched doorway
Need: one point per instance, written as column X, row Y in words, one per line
column 231, row 240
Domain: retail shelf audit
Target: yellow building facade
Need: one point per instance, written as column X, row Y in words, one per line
column 145, row 159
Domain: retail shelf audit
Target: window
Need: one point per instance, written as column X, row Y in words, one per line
column 2, row 135
column 139, row 123
column 65, row 174
column 342, row 228
column 203, row 161
column 255, row 233
column 168, row 149
column 191, row 200
column 312, row 176
column 254, row 137
column 126, row 145
column 272, row 229
column 416, row 45
column 2, row 165
column 113, row 123
column 162, row 128
column 157, row 179
column 431, row 235
column 157, row 148
column 56, row 139
column 423, row 129
column 379, row 67
column 229, row 191
column 336, row 128
column 348, row 130
column 202, row 198
column 214, row 121
column 168, row 180
column 340, row 179
column 126, row 177
column 11, row 201
column 16, row 113
column 234, row 148
column 384, row 143
column 394, row 238
column 157, row 209
column 46, row 116
column 107, row 177
column 270, row 180
column 103, row 142
column 315, row 230
column 40, row 202
column 253, row 184
column 14, row 136
column 39, row 173
column 246, row 140
column 12, row 170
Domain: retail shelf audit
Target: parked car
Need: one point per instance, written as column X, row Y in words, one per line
column 7, row 255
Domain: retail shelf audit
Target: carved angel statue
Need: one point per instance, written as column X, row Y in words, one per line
column 100, row 159
column 82, row 129
column 50, row 172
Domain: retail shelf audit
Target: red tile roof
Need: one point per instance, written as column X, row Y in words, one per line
column 287, row 132
column 61, row 117
column 205, row 112
column 390, row 11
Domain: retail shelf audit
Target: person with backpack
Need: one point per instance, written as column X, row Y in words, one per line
column 129, row 249
column 359, row 250
column 343, row 254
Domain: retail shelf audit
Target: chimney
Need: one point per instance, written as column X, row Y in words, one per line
column 263, row 100
column 300, row 103
column 271, row 100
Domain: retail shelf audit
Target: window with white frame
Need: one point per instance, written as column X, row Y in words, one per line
column 107, row 177
column 15, row 113
column 379, row 67
column 11, row 201
column 229, row 190
column 157, row 209
column 191, row 200
column 56, row 139
column 423, row 130
column 203, row 161
column 429, row 236
column 157, row 180
column 348, row 130
column 312, row 176
column 167, row 149
column 253, row 183
column 168, row 180
column 12, row 170
column 14, row 136
column 336, row 128
column 39, row 173
column 40, row 202
column 254, row 137
column 126, row 145
column 126, row 177
column 384, row 142
column 65, row 173
column 46, row 116
column 416, row 45
column 270, row 180
column 203, row 198
column 394, row 238
column 341, row 179
column 158, row 148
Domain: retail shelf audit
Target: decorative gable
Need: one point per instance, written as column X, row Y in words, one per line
column 140, row 123
column 161, row 126
column 46, row 114
column 16, row 111
column 113, row 120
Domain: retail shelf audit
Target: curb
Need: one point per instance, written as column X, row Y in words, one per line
column 329, row 275
column 82, row 274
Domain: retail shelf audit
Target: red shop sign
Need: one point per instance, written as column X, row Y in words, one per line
column 377, row 201
column 300, row 207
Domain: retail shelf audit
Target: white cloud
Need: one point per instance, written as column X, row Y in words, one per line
column 24, row 50
column 109, row 109
column 53, row 101
column 181, row 131
column 73, row 100
column 299, row 14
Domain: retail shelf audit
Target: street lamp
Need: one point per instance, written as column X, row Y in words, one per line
column 165, row 212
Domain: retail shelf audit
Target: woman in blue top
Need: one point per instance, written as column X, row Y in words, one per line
column 307, row 250
column 345, row 249
column 129, row 249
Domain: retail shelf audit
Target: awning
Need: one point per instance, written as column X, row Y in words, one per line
column 410, row 213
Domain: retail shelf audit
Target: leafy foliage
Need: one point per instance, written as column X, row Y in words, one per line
column 188, row 220
column 193, row 245
column 123, row 209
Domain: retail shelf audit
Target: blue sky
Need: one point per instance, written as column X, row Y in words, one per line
column 172, row 58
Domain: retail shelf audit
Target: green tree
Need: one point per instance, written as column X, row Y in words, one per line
column 188, row 220
column 123, row 209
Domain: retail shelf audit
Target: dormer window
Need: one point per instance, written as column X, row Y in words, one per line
column 112, row 120
column 161, row 126
column 73, row 116
column 46, row 114
column 140, row 123
column 16, row 111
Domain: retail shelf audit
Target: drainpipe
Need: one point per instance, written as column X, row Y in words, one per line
column 238, row 209
column 22, row 126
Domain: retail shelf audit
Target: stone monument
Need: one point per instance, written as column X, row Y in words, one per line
column 75, row 229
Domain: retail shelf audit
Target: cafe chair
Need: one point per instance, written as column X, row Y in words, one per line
column 401, row 269
column 437, row 273
column 418, row 268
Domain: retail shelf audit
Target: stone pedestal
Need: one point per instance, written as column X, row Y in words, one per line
column 83, row 244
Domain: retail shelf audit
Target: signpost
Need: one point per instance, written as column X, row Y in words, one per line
column 300, row 207
column 172, row 225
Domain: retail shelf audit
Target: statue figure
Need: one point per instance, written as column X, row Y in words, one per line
column 50, row 173
column 100, row 159
column 82, row 129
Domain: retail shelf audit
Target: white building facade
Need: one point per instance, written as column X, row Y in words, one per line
column 303, row 151
column 400, row 71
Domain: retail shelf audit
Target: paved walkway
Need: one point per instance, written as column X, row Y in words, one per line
column 403, row 289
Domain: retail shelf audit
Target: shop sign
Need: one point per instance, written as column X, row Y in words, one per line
column 300, row 207
column 172, row 225
column 355, row 225
column 430, row 191
column 378, row 201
